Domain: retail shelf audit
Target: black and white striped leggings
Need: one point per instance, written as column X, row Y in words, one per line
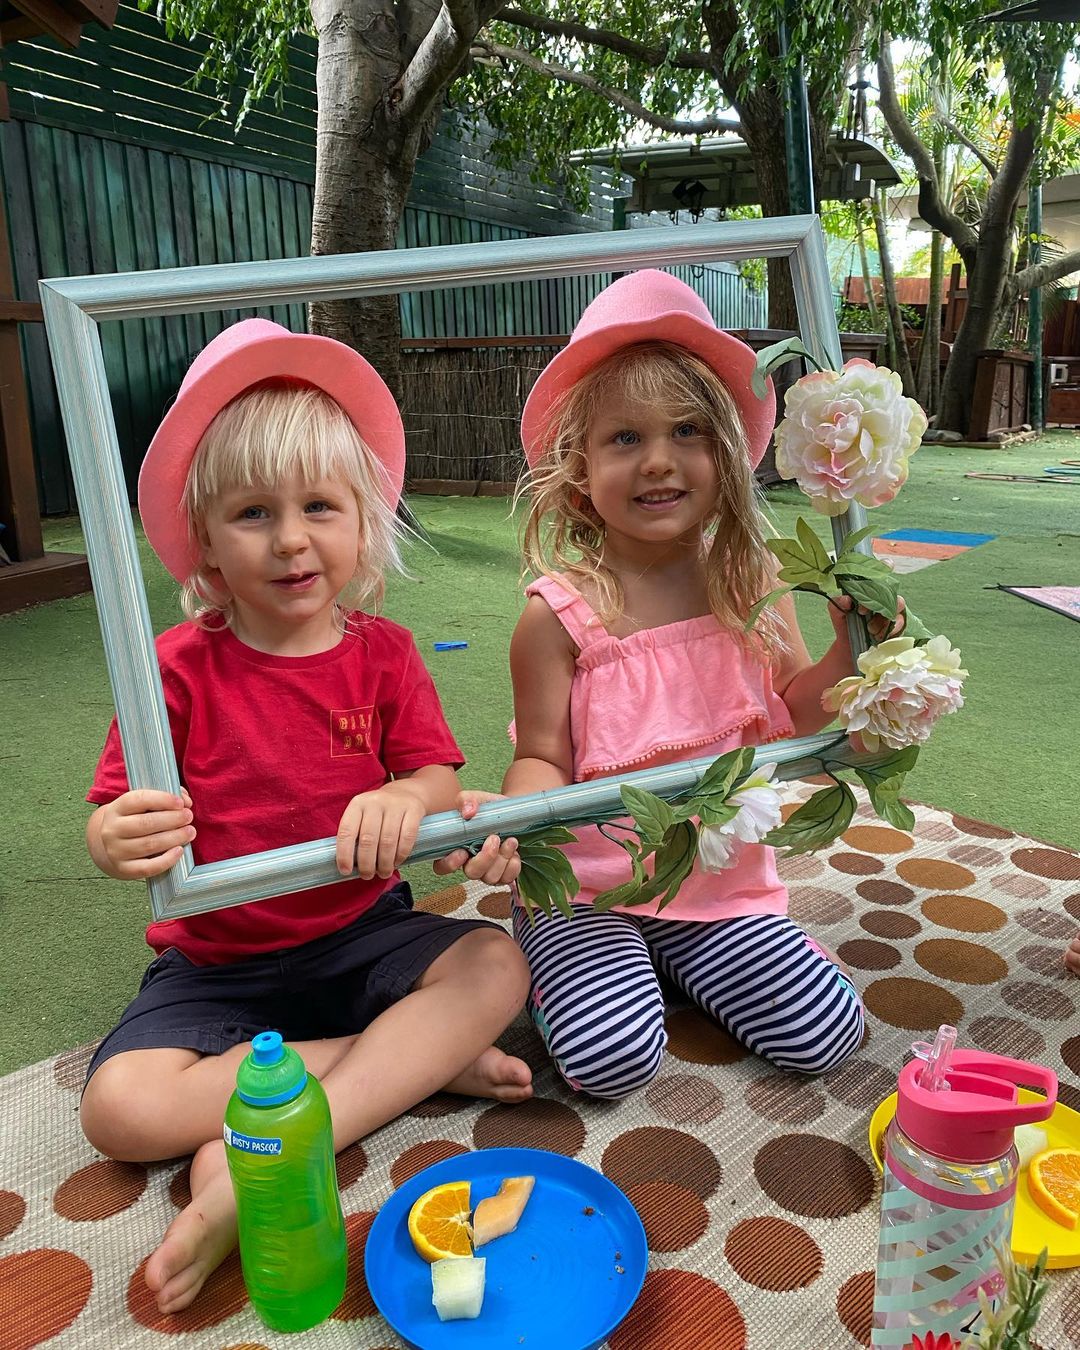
column 597, row 1001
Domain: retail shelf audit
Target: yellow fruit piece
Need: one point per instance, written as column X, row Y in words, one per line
column 439, row 1222
column 499, row 1214
column 1054, row 1183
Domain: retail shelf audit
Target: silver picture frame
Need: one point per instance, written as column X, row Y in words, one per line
column 74, row 306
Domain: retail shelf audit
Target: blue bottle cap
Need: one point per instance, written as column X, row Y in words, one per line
column 271, row 1073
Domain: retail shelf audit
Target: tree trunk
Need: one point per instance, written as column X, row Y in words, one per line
column 864, row 264
column 980, row 318
column 892, row 307
column 365, row 158
column 928, row 377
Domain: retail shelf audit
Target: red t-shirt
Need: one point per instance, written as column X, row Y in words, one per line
column 271, row 749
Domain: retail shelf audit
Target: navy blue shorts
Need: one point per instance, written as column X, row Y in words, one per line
column 335, row 985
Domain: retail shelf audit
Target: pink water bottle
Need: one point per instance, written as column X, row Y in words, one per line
column 949, row 1189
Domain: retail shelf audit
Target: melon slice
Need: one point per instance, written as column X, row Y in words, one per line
column 457, row 1287
column 499, row 1214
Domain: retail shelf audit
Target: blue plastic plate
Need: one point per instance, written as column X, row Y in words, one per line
column 563, row 1280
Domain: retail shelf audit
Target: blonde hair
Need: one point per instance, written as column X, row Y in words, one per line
column 264, row 436
column 562, row 529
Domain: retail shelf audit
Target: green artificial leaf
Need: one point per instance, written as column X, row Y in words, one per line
column 547, row 880
column 813, row 548
column 673, row 862
column 875, row 766
column 652, row 815
column 804, row 578
column 878, row 596
column 790, row 553
column 763, row 604
column 915, row 628
column 777, row 355
column 847, row 546
column 721, row 775
column 885, row 799
column 817, row 822
column 861, row 565
column 624, row 893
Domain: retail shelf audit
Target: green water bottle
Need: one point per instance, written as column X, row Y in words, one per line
column 280, row 1147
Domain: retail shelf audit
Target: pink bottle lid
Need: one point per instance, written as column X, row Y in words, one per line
column 972, row 1120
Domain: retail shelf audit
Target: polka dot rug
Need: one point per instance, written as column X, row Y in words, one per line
column 756, row 1189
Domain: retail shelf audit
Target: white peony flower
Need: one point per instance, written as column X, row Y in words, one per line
column 902, row 692
column 758, row 800
column 847, row 436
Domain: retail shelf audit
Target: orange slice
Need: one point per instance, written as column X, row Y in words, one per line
column 1054, row 1183
column 439, row 1222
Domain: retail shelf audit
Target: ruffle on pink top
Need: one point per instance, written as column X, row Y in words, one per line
column 686, row 690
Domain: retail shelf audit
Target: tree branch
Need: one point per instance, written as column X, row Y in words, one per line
column 604, row 37
column 933, row 209
column 630, row 105
column 1019, row 153
column 1042, row 274
column 444, row 49
column 947, row 124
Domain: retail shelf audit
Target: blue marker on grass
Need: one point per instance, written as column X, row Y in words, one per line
column 450, row 646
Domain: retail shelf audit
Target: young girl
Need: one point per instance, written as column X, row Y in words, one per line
column 644, row 532
column 270, row 488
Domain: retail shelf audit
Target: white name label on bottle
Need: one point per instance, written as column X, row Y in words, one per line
column 251, row 1143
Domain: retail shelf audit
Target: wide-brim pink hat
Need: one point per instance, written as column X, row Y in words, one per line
column 649, row 306
column 243, row 355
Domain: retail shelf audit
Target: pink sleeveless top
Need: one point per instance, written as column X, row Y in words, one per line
column 686, row 690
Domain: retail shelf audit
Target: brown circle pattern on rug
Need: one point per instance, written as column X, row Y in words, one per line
column 12, row 1209
column 934, row 874
column 882, row 892
column 351, row 1165
column 864, row 954
column 885, row 923
column 915, row 1005
column 800, row 867
column 1054, row 863
column 495, row 905
column 1023, row 887
column 855, row 1305
column 856, row 864
column 861, row 1084
column 1045, row 923
column 222, row 1296
column 685, row 1099
column 656, row 1153
column 536, row 1123
column 877, row 839
column 960, row 961
column 357, row 1301
column 100, row 1190
column 813, row 905
column 1044, row 1001
column 1048, row 962
column 422, row 1155
column 1006, row 1036
column 440, row 1104
column 41, row 1292
column 70, row 1067
column 785, row 1099
column 1072, row 905
column 1070, row 1053
column 936, row 830
column 814, row 1177
column 981, row 829
column 964, row 913
column 773, row 1254
column 975, row 855
column 442, row 902
column 697, row 1039
column 681, row 1310
column 674, row 1218
column 180, row 1187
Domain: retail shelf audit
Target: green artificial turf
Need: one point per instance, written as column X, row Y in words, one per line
column 73, row 949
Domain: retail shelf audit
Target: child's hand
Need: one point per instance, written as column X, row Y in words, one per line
column 141, row 834
column 878, row 625
column 378, row 830
column 496, row 862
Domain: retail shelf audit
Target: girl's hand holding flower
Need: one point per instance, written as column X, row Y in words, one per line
column 879, row 627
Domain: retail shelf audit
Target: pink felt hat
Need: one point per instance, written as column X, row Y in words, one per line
column 246, row 354
column 649, row 306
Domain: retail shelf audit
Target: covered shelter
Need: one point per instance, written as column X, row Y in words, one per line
column 719, row 172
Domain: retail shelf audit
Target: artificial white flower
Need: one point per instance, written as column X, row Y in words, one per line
column 758, row 800
column 847, row 436
column 902, row 692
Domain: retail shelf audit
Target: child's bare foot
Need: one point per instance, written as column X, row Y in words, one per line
column 200, row 1237
column 494, row 1074
column 1072, row 956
